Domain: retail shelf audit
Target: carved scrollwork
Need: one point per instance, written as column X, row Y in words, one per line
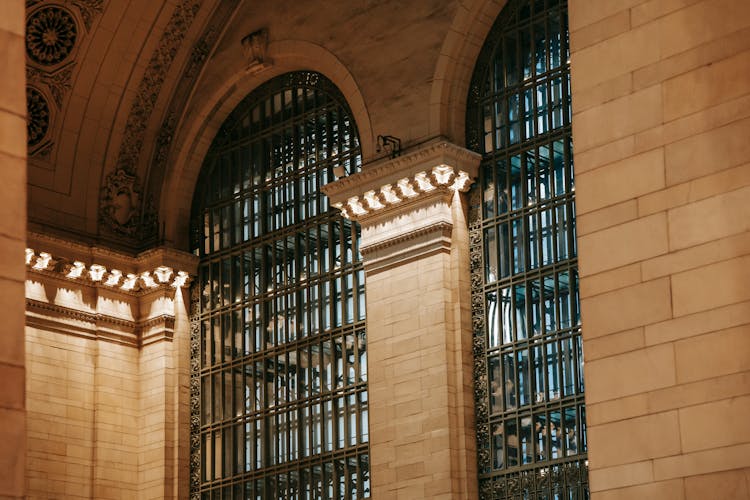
column 51, row 34
column 121, row 202
column 195, row 400
column 89, row 10
column 38, row 116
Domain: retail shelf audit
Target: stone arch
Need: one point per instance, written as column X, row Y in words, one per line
column 201, row 124
column 455, row 65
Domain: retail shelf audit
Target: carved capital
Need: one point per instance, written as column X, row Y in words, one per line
column 437, row 168
column 405, row 204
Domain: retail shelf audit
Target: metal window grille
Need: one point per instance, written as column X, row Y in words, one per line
column 531, row 425
column 279, row 351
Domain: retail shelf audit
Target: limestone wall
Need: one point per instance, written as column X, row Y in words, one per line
column 107, row 385
column 12, row 238
column 661, row 120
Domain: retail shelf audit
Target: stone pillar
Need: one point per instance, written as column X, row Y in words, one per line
column 415, row 251
column 12, row 238
column 107, row 346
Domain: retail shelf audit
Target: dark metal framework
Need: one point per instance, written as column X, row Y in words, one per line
column 279, row 368
column 531, row 425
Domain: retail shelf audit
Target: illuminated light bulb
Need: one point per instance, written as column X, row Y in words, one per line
column 114, row 278
column 96, row 272
column 77, row 270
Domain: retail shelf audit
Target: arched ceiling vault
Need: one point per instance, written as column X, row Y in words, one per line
column 125, row 96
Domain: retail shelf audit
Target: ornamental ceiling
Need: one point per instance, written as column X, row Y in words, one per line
column 124, row 96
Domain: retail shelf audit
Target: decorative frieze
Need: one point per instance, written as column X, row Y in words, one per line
column 439, row 179
column 435, row 166
column 93, row 274
column 404, row 204
column 104, row 295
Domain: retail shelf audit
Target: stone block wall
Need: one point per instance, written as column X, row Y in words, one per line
column 661, row 120
column 12, row 243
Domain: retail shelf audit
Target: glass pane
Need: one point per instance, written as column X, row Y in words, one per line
column 282, row 309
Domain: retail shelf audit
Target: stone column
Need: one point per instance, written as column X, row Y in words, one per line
column 12, row 237
column 415, row 250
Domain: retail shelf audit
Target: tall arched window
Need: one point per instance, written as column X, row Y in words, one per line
column 279, row 368
column 531, row 426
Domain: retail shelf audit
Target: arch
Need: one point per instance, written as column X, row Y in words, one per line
column 223, row 94
column 455, row 65
column 529, row 390
column 280, row 307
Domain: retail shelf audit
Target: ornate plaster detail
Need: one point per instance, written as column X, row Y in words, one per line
column 438, row 179
column 390, row 171
column 89, row 10
column 195, row 395
column 141, row 217
column 443, row 228
column 183, row 90
column 38, row 117
column 58, row 83
column 144, row 281
column 255, row 50
column 120, row 206
column 51, row 34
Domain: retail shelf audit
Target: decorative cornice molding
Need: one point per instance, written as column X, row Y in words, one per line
column 443, row 229
column 439, row 180
column 99, row 326
column 437, row 167
column 136, row 276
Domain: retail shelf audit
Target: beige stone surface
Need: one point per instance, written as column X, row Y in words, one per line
column 661, row 121
column 684, row 71
column 626, row 308
column 732, row 485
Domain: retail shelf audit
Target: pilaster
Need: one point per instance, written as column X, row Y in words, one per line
column 415, row 251
column 110, row 332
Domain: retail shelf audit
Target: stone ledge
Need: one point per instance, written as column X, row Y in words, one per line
column 438, row 167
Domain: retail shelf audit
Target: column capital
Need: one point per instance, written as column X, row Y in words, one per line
column 391, row 186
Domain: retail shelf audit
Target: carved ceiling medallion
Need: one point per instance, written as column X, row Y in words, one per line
column 37, row 119
column 50, row 35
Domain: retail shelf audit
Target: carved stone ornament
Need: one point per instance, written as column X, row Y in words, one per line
column 89, row 10
column 255, row 48
column 51, row 33
column 37, row 117
column 121, row 202
column 125, row 217
column 58, row 83
column 440, row 167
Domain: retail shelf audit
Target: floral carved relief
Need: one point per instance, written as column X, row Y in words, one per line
column 37, row 118
column 51, row 33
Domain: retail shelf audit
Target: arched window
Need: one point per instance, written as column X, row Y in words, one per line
column 531, row 426
column 279, row 368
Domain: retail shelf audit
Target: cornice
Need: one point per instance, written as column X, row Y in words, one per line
column 439, row 167
column 443, row 229
column 389, row 171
